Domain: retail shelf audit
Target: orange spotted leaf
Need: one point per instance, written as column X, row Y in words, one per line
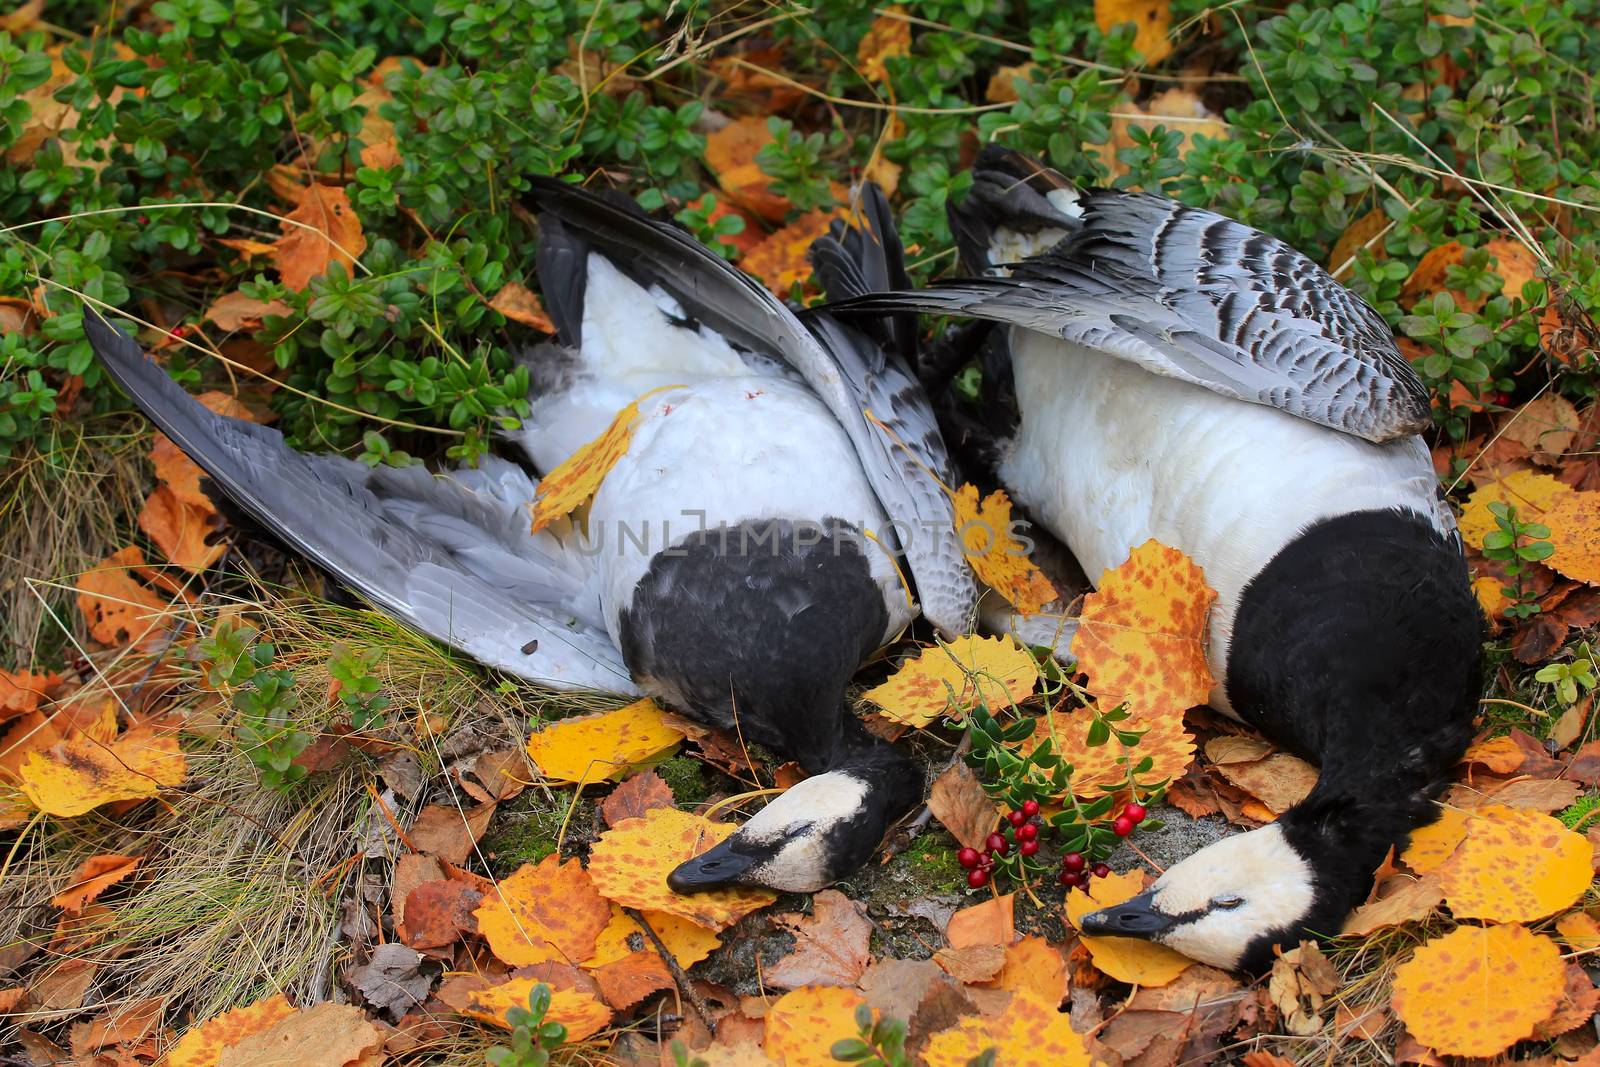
column 202, row 1045
column 1574, row 521
column 1142, row 633
column 1030, row 1032
column 1532, row 494
column 803, row 1025
column 630, row 864
column 1515, row 866
column 688, row 942
column 1478, row 990
column 21, row 691
column 94, row 876
column 116, row 608
column 886, row 38
column 235, row 311
column 1165, row 742
column 549, row 911
column 997, row 558
column 783, row 258
column 1434, row 843
column 580, row 1013
column 731, row 155
column 1152, row 21
column 519, row 303
column 80, row 774
column 998, row 668
column 594, row 748
column 1126, row 959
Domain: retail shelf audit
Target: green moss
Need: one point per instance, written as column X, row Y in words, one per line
column 523, row 836
column 686, row 778
column 1581, row 810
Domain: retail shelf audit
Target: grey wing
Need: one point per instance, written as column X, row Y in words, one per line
column 389, row 536
column 741, row 309
column 1189, row 294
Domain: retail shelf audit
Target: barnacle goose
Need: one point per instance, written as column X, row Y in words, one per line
column 1176, row 375
column 733, row 564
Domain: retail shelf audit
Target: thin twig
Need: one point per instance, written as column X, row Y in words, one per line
column 685, row 984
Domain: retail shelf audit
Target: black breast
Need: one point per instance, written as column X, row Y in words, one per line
column 1358, row 646
column 757, row 628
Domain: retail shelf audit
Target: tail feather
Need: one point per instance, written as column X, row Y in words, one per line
column 868, row 258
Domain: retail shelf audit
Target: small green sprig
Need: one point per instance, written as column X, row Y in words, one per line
column 1517, row 544
column 532, row 1039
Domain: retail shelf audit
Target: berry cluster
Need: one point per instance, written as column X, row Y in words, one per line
column 979, row 865
column 1075, row 869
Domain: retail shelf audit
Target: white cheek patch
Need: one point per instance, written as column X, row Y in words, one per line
column 1262, row 868
column 818, row 804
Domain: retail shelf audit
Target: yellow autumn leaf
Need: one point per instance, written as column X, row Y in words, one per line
column 578, row 476
column 1142, row 633
column 1580, row 931
column 1152, row 20
column 544, row 912
column 631, row 861
column 80, row 774
column 580, row 1013
column 885, row 39
column 1431, row 845
column 1478, row 990
column 202, row 1045
column 1515, row 865
column 997, row 558
column 803, row 1025
column 622, row 937
column 595, row 748
column 1165, row 742
column 1126, row 959
column 998, row 669
column 1531, row 493
column 1030, row 1032
column 1574, row 521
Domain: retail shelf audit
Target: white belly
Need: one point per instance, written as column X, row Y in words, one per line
column 722, row 452
column 1108, row 456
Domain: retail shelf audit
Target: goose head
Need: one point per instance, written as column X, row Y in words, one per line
column 821, row 830
column 1227, row 905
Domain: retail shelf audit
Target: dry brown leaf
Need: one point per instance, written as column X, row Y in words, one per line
column 519, row 303
column 1362, row 233
column 830, row 945
column 962, row 807
column 635, row 796
column 235, row 311
column 21, row 691
column 1579, row 999
column 328, row 232
column 123, row 1024
column 340, row 1033
column 1002, row 88
column 1280, row 781
column 93, row 877
column 1400, row 899
column 989, row 922
column 1301, row 983
column 438, row 913
column 117, row 609
column 975, row 963
column 625, row 982
column 185, row 533
column 1514, row 263
column 1545, row 425
column 448, row 832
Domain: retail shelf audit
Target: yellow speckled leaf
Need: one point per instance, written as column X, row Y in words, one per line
column 549, row 911
column 1531, row 493
column 803, row 1025
column 1431, row 845
column 1574, row 521
column 918, row 693
column 1580, row 931
column 622, row 937
column 1142, row 633
column 1515, row 866
column 580, row 474
column 1168, row 745
column 1478, row 990
column 630, row 864
column 595, row 748
column 997, row 558
column 1126, row 959
column 80, row 774
column 1030, row 1032
column 580, row 1013
column 202, row 1045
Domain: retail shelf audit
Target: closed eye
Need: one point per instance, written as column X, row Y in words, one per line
column 1228, row 901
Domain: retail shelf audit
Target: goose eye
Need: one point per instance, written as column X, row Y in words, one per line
column 1227, row 901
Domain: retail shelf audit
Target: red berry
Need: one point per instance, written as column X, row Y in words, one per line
column 179, row 330
column 1030, row 808
column 1073, row 861
column 997, row 844
column 1027, row 832
column 1028, row 848
column 1135, row 812
column 968, row 858
column 1102, row 871
column 1071, row 878
column 1016, row 818
column 1123, row 826
column 144, row 220
column 977, row 879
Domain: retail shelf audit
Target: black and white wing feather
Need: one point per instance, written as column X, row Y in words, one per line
column 452, row 558
column 1189, row 294
column 738, row 307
